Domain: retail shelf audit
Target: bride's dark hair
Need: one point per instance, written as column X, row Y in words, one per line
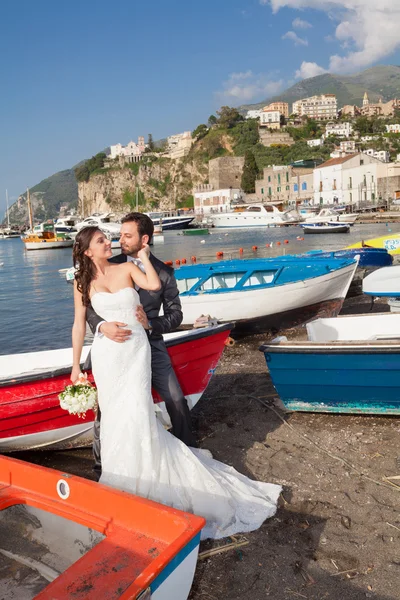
column 85, row 268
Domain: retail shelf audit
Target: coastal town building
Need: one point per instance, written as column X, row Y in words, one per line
column 132, row 152
column 315, row 143
column 209, row 201
column 282, row 107
column 348, row 146
column 380, row 109
column 393, row 128
column 339, row 129
column 270, row 119
column 349, row 110
column 254, row 114
column 270, row 138
column 286, row 183
column 321, row 108
column 179, row 145
column 350, row 180
column 225, row 172
column 382, row 155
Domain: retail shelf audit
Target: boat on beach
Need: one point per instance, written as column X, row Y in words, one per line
column 349, row 364
column 391, row 243
column 64, row 537
column 384, row 282
column 367, row 257
column 326, row 227
column 30, row 412
column 263, row 294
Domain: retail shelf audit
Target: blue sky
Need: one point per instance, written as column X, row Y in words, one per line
column 79, row 75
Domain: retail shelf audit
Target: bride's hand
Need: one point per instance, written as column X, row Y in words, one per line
column 76, row 371
column 144, row 252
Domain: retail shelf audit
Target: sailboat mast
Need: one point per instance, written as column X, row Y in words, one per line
column 28, row 198
column 8, row 211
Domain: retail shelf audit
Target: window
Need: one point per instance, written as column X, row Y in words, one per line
column 221, row 282
column 372, row 178
column 365, row 180
column 351, row 198
column 262, row 190
column 254, row 209
column 295, row 187
column 279, row 178
column 321, row 186
column 287, row 176
column 361, row 162
column 278, row 189
column 185, row 285
column 259, row 278
column 304, row 186
column 334, row 184
column 269, row 191
column 269, row 178
column 287, row 187
column 350, row 182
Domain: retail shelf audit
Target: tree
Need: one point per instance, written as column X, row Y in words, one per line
column 363, row 125
column 200, row 131
column 212, row 120
column 150, row 143
column 250, row 172
column 228, row 117
column 83, row 172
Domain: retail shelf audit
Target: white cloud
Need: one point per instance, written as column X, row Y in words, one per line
column 367, row 29
column 247, row 86
column 300, row 24
column 309, row 69
column 298, row 41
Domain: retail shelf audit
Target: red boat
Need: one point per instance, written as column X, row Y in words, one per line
column 30, row 412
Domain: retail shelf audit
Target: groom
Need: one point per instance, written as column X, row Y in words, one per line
column 136, row 230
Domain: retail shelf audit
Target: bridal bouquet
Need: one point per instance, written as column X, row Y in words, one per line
column 79, row 397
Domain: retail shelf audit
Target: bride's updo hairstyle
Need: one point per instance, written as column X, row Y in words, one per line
column 85, row 269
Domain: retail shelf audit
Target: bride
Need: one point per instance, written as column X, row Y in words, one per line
column 138, row 454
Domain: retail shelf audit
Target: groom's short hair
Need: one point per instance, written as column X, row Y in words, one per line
column 144, row 223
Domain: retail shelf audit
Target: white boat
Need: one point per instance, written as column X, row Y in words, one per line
column 102, row 221
column 326, row 214
column 43, row 237
column 326, row 227
column 254, row 215
column 169, row 221
column 8, row 232
column 67, row 225
column 264, row 294
column 383, row 282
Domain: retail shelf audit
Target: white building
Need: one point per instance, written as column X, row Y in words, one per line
column 271, row 119
column 393, row 128
column 369, row 138
column 132, row 151
column 207, row 200
column 348, row 146
column 344, row 130
column 349, row 180
column 254, row 114
column 323, row 108
column 315, row 143
column 382, row 155
column 179, row 145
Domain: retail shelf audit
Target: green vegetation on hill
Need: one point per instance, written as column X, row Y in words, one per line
column 90, row 166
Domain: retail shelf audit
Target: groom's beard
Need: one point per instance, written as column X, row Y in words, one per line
column 131, row 250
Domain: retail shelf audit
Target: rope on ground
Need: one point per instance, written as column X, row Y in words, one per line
column 345, row 462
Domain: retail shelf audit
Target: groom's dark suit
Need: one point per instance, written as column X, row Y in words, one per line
column 164, row 380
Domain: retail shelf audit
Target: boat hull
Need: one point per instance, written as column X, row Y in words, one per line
column 391, row 243
column 273, row 307
column 368, row 257
column 353, row 377
column 47, row 245
column 73, row 538
column 173, row 224
column 326, row 228
column 30, row 414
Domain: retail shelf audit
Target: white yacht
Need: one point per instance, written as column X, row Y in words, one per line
column 102, row 221
column 331, row 216
column 67, row 225
column 169, row 220
column 253, row 215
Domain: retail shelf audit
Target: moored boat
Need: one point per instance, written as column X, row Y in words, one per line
column 349, row 364
column 44, row 237
column 195, row 231
column 30, row 414
column 391, row 243
column 326, row 214
column 383, row 282
column 367, row 257
column 326, row 227
column 263, row 294
column 253, row 215
column 65, row 537
column 170, row 220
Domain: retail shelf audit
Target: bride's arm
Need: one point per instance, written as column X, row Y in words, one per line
column 78, row 333
column 148, row 280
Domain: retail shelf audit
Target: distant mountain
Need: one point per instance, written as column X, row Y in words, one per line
column 379, row 82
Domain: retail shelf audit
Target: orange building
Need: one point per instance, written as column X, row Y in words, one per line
column 282, row 107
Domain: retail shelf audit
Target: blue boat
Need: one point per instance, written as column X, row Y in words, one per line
column 368, row 257
column 263, row 294
column 350, row 364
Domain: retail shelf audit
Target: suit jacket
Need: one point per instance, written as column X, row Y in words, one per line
column 167, row 297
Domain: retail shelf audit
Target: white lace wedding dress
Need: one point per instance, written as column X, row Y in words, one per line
column 141, row 457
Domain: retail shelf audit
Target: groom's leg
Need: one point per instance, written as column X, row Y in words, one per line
column 96, row 446
column 165, row 382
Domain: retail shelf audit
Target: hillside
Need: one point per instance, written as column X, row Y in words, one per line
column 381, row 81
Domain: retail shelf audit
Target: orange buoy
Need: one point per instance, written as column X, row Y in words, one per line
column 177, row 262
column 220, row 254
column 183, row 261
column 278, row 243
column 241, row 250
column 254, row 248
column 168, row 262
column 286, row 242
column 193, row 259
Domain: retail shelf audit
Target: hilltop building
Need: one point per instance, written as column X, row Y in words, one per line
column 379, row 109
column 340, row 129
column 132, row 152
column 350, row 110
column 179, row 145
column 322, row 108
column 282, row 107
column 254, row 114
column 270, row 119
column 393, row 128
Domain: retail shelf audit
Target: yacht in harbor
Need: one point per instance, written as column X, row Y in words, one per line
column 8, row 232
column 169, row 220
column 254, row 215
column 102, row 221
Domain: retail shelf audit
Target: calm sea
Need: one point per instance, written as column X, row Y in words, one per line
column 36, row 303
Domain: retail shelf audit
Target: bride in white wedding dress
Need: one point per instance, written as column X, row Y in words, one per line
column 138, row 454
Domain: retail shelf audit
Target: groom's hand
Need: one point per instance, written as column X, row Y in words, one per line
column 114, row 331
column 142, row 317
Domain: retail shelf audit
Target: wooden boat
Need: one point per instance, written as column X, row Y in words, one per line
column 44, row 237
column 326, row 228
column 383, row 282
column 350, row 364
column 63, row 537
column 30, row 414
column 391, row 243
column 195, row 231
column 263, row 294
column 367, row 257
